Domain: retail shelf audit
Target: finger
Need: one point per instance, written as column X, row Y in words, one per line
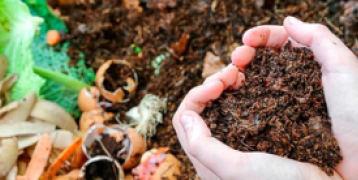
column 242, row 56
column 268, row 36
column 229, row 76
column 328, row 49
column 265, row 36
column 203, row 172
column 227, row 163
column 196, row 99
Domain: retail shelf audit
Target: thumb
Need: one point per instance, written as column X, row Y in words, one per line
column 213, row 154
column 328, row 49
column 194, row 126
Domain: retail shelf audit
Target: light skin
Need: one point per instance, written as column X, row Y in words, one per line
column 214, row 160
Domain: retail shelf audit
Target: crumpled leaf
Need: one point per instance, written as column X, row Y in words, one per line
column 212, row 65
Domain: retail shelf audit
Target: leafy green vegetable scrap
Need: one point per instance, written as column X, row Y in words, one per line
column 17, row 30
column 62, row 81
column 41, row 68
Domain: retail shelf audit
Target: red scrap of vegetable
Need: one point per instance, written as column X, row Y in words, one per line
column 149, row 166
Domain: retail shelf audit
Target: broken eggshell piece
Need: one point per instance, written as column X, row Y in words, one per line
column 88, row 99
column 93, row 117
column 119, row 95
column 127, row 145
column 90, row 166
column 157, row 164
column 137, row 148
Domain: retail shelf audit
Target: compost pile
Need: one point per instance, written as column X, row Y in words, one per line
column 168, row 41
column 279, row 110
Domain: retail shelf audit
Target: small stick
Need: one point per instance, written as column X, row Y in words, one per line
column 329, row 23
column 104, row 148
column 39, row 159
column 65, row 155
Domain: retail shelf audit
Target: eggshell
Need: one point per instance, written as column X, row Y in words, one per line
column 88, row 99
column 101, row 158
column 138, row 147
column 93, row 117
column 117, row 95
column 132, row 85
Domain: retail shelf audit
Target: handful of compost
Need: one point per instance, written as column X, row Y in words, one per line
column 280, row 109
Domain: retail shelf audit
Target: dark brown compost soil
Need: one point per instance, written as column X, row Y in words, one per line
column 280, row 110
column 101, row 170
column 106, row 30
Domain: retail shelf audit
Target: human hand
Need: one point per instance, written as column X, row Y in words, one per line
column 214, row 160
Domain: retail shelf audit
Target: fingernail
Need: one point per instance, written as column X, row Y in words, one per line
column 294, row 21
column 187, row 122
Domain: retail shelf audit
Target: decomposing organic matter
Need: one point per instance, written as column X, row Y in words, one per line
column 280, row 110
column 212, row 64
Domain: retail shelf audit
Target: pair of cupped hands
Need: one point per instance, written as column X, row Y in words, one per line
column 214, row 160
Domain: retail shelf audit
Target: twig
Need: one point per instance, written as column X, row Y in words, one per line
column 104, row 149
column 330, row 24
